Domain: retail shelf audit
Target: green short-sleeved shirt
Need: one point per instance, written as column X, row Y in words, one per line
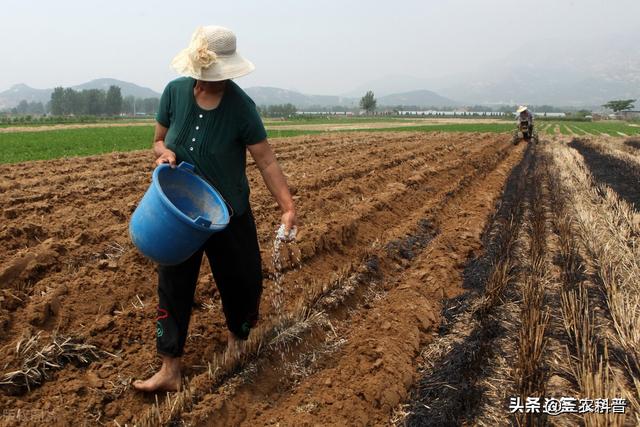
column 214, row 141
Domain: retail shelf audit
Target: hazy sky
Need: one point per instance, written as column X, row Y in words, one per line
column 318, row 47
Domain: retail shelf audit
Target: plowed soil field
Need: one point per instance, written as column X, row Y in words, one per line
column 388, row 223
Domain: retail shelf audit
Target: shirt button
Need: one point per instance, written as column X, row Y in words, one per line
column 200, row 116
column 190, row 148
column 197, row 127
column 193, row 139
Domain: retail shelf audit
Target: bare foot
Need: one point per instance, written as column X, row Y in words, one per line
column 166, row 379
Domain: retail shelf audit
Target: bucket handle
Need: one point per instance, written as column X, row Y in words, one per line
column 188, row 167
column 204, row 222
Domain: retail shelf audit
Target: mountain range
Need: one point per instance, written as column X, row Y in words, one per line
column 272, row 95
column 16, row 93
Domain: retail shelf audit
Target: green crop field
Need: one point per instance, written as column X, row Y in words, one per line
column 27, row 146
column 24, row 146
column 610, row 128
column 567, row 128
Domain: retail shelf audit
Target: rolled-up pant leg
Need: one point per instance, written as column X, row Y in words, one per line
column 176, row 288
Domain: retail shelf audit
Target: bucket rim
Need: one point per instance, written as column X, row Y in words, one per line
column 181, row 215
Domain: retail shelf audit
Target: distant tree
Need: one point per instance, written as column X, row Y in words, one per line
column 368, row 102
column 282, row 110
column 57, row 101
column 113, row 101
column 128, row 104
column 620, row 105
column 79, row 102
column 147, row 105
column 95, row 101
column 35, row 108
column 279, row 110
column 22, row 107
column 71, row 102
column 289, row 110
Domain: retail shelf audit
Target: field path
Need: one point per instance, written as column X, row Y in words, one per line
column 45, row 128
column 383, row 124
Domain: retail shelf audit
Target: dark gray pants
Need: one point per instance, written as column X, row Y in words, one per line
column 234, row 257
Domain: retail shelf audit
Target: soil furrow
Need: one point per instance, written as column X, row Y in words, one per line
column 450, row 389
column 448, row 201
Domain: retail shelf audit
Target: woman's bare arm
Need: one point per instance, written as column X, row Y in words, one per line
column 275, row 181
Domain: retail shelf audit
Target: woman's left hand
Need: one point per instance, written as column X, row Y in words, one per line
column 289, row 220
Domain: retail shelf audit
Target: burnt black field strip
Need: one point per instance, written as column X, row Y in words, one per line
column 622, row 177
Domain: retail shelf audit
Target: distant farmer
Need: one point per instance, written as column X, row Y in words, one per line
column 525, row 116
column 205, row 119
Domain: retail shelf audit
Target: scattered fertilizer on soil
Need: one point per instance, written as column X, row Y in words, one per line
column 280, row 243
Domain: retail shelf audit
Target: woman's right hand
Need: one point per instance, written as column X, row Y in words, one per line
column 167, row 156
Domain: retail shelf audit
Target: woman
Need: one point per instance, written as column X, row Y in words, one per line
column 205, row 119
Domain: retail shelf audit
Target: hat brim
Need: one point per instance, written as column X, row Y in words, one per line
column 521, row 109
column 226, row 67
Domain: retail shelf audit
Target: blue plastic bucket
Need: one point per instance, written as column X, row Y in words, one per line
column 177, row 214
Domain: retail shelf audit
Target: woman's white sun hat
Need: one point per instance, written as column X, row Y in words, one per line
column 521, row 109
column 212, row 56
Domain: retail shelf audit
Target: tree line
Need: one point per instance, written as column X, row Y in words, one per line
column 368, row 103
column 93, row 102
column 98, row 102
column 30, row 108
column 279, row 110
